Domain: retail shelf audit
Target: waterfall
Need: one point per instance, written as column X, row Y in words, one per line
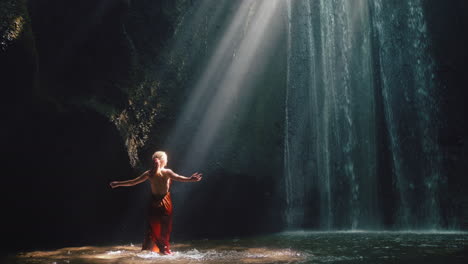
column 408, row 83
column 301, row 74
column 341, row 56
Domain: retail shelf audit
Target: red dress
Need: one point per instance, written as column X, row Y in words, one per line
column 159, row 224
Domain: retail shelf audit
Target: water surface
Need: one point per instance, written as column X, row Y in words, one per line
column 289, row 247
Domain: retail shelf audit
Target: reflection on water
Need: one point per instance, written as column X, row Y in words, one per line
column 182, row 254
column 290, row 247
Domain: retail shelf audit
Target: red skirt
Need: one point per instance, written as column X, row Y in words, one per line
column 159, row 224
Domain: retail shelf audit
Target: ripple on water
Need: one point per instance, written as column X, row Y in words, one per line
column 133, row 255
column 304, row 247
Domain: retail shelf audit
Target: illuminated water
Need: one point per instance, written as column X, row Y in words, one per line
column 330, row 137
column 361, row 114
column 291, row 247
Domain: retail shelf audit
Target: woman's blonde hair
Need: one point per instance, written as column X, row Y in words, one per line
column 160, row 155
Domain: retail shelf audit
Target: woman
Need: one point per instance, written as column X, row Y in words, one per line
column 160, row 211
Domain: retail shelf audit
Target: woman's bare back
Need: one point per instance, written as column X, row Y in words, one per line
column 160, row 184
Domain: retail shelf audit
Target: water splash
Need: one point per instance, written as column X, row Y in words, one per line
column 289, row 247
column 215, row 253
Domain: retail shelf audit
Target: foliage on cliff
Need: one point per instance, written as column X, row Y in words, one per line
column 13, row 17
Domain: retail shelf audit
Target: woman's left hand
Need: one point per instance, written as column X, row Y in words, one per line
column 196, row 177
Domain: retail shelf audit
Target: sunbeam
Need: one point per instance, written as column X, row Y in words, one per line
column 227, row 78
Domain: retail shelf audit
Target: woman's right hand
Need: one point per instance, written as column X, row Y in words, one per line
column 114, row 184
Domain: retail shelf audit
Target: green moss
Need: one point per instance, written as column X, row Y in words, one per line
column 13, row 21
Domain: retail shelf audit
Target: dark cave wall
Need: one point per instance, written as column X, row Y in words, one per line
column 18, row 60
column 447, row 23
column 65, row 69
column 82, row 52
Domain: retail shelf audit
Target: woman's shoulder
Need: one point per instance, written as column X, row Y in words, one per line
column 166, row 171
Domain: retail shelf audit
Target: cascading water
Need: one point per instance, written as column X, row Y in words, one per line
column 407, row 83
column 298, row 157
column 332, row 133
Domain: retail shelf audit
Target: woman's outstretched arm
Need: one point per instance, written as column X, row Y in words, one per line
column 176, row 177
column 143, row 177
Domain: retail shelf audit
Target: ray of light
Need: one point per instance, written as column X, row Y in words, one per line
column 225, row 80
